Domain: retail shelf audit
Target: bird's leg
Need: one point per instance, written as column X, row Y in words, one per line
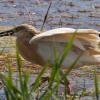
column 44, row 79
column 64, row 82
column 68, row 87
column 67, row 83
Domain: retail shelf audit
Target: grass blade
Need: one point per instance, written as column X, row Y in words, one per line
column 8, row 90
column 73, row 65
column 10, row 80
column 38, row 79
column 19, row 65
column 46, row 15
column 96, row 84
column 67, row 48
column 47, row 96
column 58, row 64
column 7, row 94
column 45, row 93
column 26, row 80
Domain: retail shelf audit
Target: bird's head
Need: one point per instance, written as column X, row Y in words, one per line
column 22, row 31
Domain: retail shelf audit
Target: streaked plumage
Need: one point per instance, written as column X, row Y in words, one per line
column 38, row 47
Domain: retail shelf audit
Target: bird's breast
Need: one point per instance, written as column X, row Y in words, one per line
column 29, row 52
column 41, row 52
column 47, row 52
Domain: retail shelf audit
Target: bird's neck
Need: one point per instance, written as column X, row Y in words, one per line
column 29, row 52
column 22, row 41
column 23, row 46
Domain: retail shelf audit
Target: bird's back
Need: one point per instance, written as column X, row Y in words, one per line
column 86, row 41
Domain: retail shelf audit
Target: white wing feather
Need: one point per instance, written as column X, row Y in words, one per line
column 63, row 35
column 62, row 31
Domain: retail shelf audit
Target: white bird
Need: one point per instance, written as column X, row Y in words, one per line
column 38, row 47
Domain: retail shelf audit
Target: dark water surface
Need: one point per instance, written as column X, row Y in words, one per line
column 72, row 13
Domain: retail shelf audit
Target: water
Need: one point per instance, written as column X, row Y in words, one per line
column 71, row 13
column 83, row 13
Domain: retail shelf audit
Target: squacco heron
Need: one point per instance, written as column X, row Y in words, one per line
column 38, row 47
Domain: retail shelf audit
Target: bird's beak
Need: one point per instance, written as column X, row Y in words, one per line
column 7, row 33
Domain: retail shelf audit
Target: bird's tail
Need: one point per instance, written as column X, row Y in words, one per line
column 97, row 59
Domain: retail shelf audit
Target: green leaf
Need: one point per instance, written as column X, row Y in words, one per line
column 67, row 49
column 96, row 83
column 38, row 79
column 73, row 65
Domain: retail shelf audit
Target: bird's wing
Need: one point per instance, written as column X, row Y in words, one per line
column 64, row 34
column 91, row 43
column 64, row 31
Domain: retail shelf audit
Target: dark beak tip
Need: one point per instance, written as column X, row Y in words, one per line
column 6, row 33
